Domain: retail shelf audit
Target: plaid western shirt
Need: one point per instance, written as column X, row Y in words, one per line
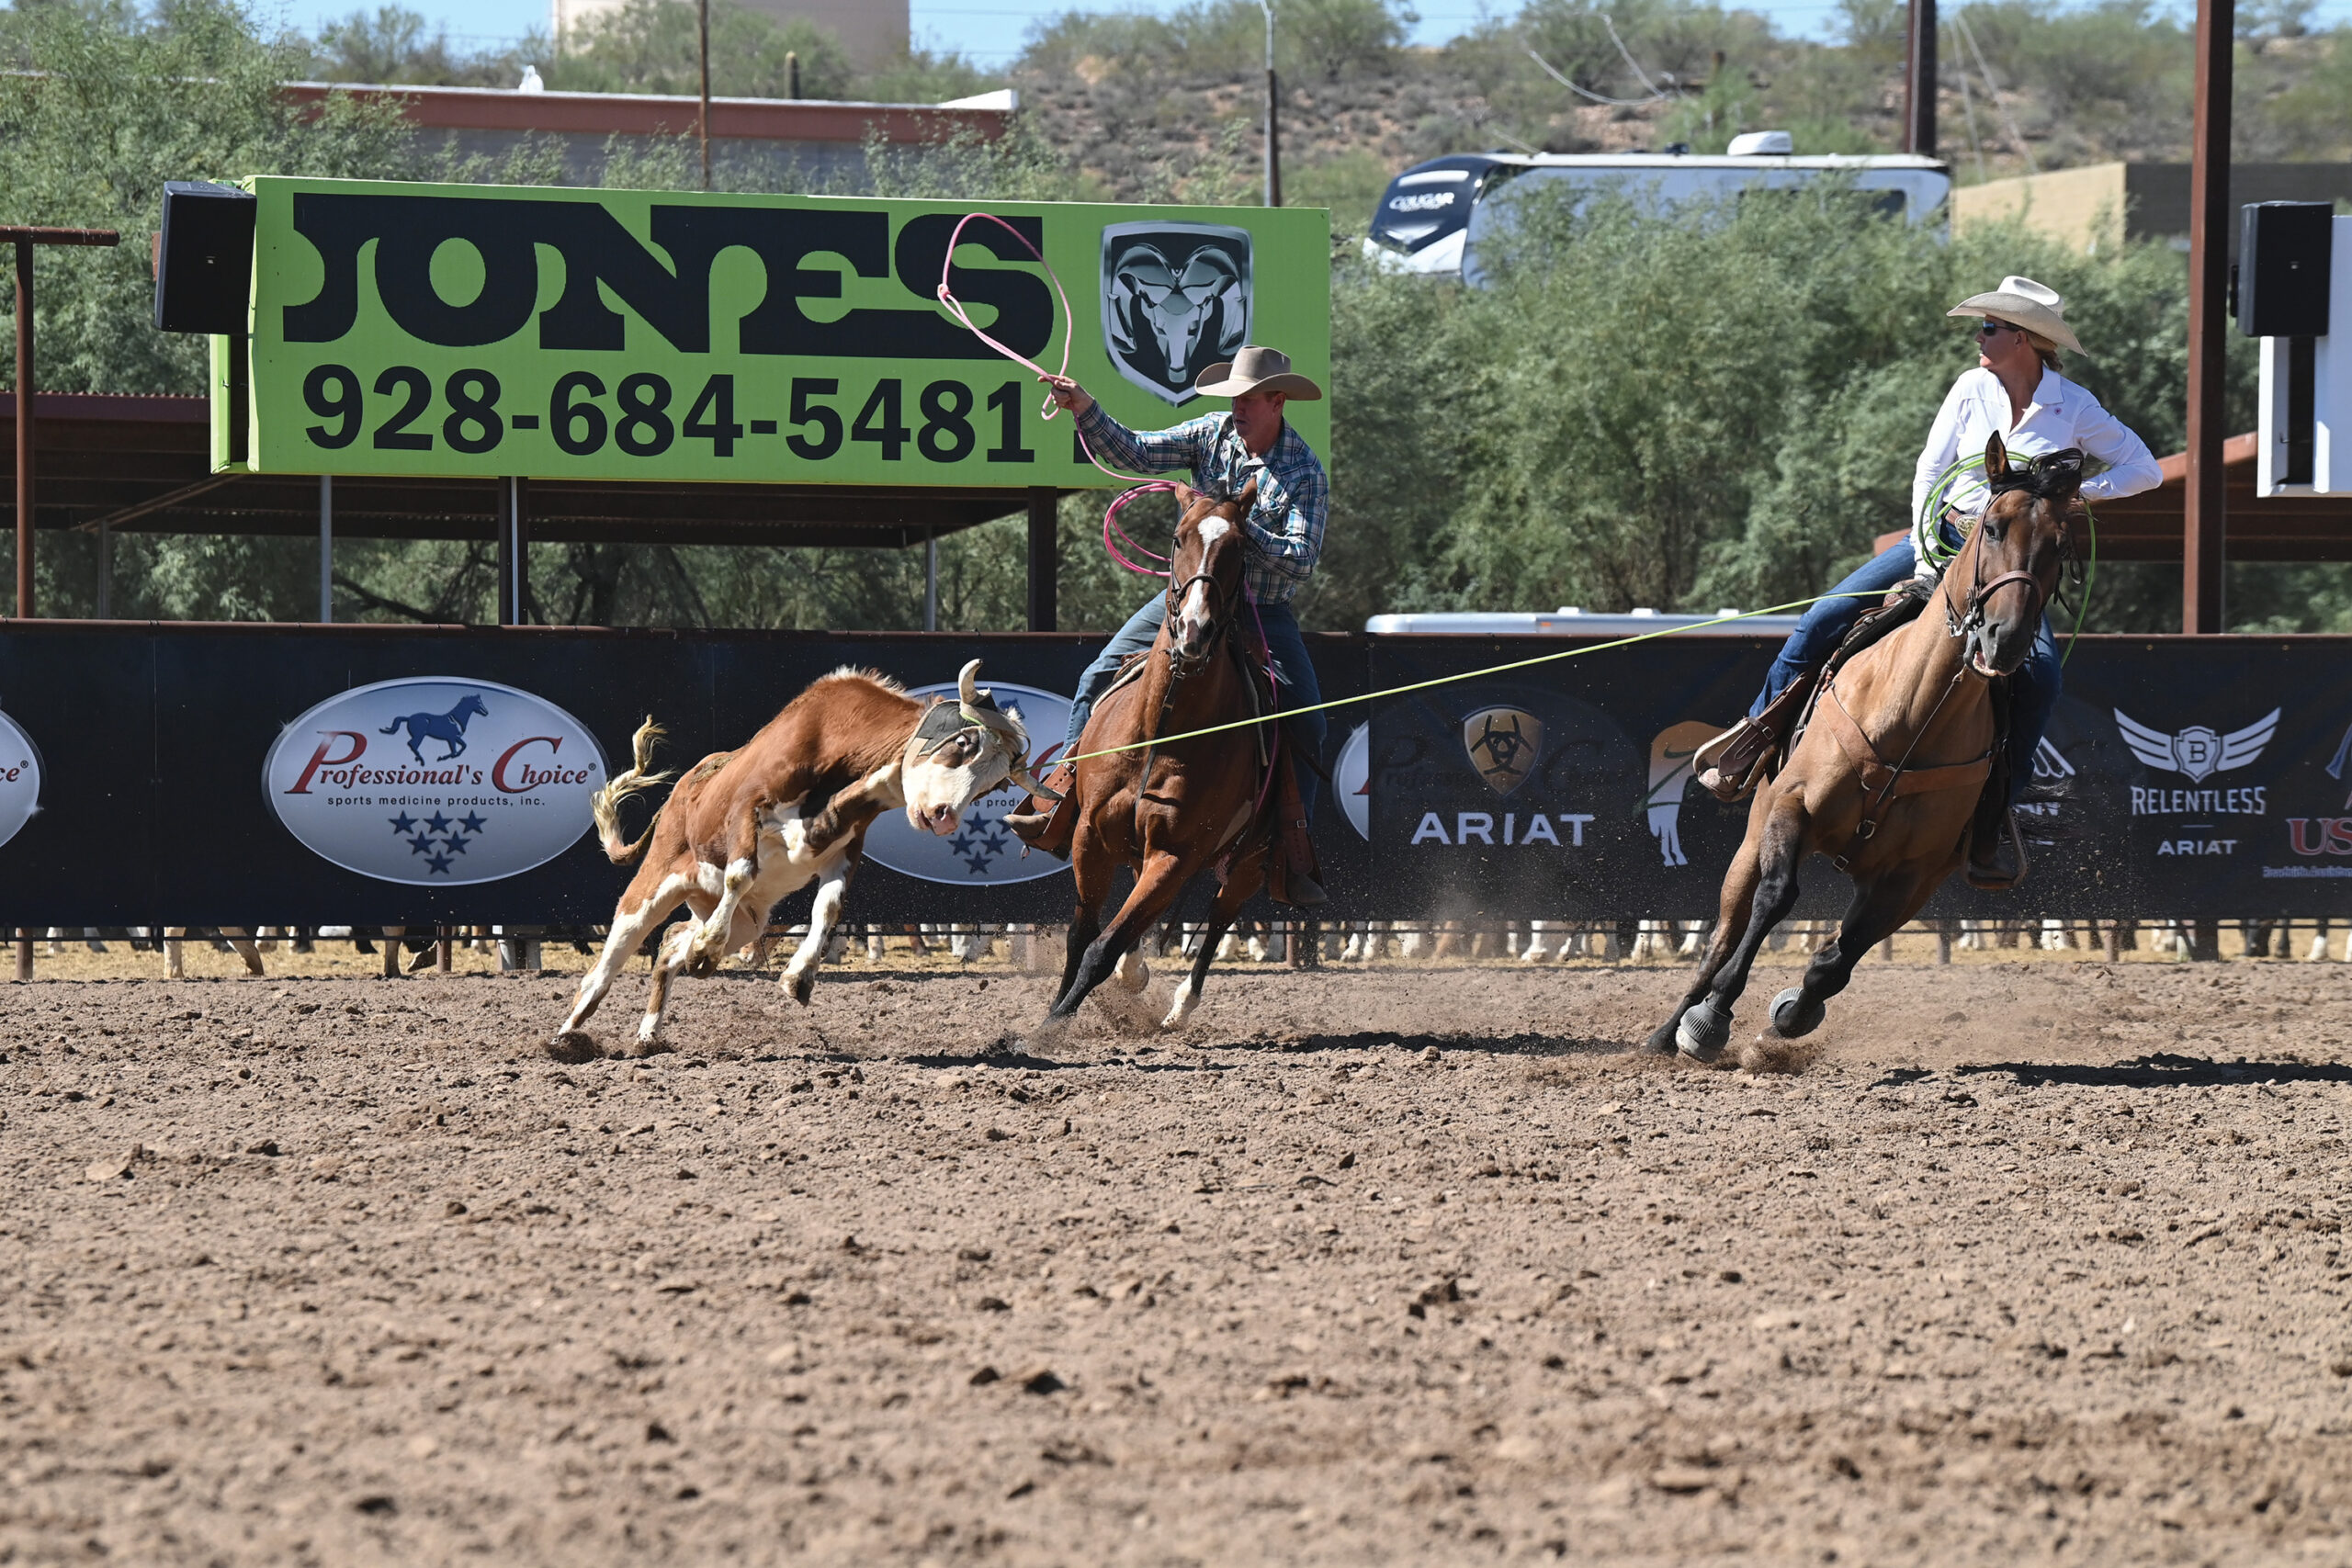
column 1284, row 529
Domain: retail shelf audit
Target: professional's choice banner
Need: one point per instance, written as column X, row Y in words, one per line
column 360, row 775
column 601, row 334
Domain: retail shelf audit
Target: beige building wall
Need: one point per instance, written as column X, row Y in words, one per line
column 871, row 30
column 2084, row 208
column 2100, row 205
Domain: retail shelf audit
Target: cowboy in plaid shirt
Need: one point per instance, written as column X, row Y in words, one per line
column 1225, row 452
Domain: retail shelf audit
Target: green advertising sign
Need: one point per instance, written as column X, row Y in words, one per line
column 479, row 329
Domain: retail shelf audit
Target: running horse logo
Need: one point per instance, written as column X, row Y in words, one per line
column 1175, row 300
column 1504, row 745
column 449, row 729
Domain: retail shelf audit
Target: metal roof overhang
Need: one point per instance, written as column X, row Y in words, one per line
column 144, row 465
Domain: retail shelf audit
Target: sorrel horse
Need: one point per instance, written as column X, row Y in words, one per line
column 1885, row 777
column 1172, row 811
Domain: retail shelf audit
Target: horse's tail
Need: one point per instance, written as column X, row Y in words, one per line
column 393, row 728
column 607, row 802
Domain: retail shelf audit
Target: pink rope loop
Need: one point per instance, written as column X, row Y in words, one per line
column 1111, row 526
column 955, row 309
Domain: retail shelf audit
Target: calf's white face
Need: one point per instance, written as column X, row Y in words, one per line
column 941, row 787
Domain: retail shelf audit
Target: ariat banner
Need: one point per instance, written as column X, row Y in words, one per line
column 597, row 334
column 406, row 775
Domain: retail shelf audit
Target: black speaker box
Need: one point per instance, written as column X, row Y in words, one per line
column 204, row 259
column 2283, row 258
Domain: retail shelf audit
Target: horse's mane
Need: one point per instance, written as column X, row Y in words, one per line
column 2048, row 476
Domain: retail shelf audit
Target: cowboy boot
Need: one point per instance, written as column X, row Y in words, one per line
column 1996, row 858
column 1292, row 873
column 1734, row 762
column 1052, row 824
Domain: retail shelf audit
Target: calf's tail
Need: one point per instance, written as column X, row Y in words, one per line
column 605, row 803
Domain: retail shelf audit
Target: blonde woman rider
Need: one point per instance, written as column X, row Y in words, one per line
column 2017, row 392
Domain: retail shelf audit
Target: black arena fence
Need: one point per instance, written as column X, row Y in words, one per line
column 241, row 774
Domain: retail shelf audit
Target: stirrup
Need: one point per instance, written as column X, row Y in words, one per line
column 1731, row 764
column 1991, row 875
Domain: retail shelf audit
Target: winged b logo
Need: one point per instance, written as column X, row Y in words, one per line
column 2197, row 752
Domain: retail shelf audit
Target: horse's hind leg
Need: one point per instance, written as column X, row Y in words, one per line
column 1238, row 889
column 1879, row 909
column 1702, row 1025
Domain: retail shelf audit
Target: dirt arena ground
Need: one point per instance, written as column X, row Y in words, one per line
column 2029, row 1261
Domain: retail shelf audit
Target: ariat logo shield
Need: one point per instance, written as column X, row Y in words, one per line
column 1176, row 300
column 1503, row 745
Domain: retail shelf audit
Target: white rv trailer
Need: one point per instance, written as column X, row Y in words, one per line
column 1433, row 217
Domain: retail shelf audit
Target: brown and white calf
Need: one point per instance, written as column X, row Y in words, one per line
column 744, row 828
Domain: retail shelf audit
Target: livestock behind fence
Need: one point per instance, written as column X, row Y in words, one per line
column 438, row 776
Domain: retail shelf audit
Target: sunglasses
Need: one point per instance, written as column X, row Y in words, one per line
column 1994, row 329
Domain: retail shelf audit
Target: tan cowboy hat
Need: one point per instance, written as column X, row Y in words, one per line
column 2022, row 302
column 1257, row 369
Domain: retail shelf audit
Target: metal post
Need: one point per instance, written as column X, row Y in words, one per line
column 25, row 240
column 2206, row 500
column 326, row 550
column 1274, row 136
column 930, row 580
column 24, row 953
column 1044, row 559
column 1919, row 81
column 514, row 547
column 106, row 570
column 703, row 125
column 25, row 453
column 791, row 73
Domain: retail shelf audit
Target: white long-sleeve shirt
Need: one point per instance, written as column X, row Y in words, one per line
column 2061, row 415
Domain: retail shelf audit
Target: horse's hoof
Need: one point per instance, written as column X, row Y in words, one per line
column 804, row 988
column 573, row 1047
column 1133, row 973
column 1795, row 1015
column 1704, row 1032
column 1661, row 1042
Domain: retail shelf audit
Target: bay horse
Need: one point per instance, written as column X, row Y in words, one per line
column 1174, row 810
column 1920, row 696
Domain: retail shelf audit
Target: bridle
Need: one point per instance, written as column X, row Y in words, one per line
column 1221, row 606
column 2052, row 471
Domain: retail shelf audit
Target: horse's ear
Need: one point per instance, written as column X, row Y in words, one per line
column 1186, row 496
column 1997, row 459
column 1248, row 496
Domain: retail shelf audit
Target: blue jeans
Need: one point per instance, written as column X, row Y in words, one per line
column 1299, row 689
column 2034, row 689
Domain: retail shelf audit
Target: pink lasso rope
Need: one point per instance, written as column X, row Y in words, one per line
column 955, row 309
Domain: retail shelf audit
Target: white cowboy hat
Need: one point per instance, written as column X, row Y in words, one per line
column 1257, row 369
column 2022, row 302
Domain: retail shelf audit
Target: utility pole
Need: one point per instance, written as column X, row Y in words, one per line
column 1919, row 81
column 25, row 240
column 703, row 128
column 1274, row 128
column 2206, row 502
